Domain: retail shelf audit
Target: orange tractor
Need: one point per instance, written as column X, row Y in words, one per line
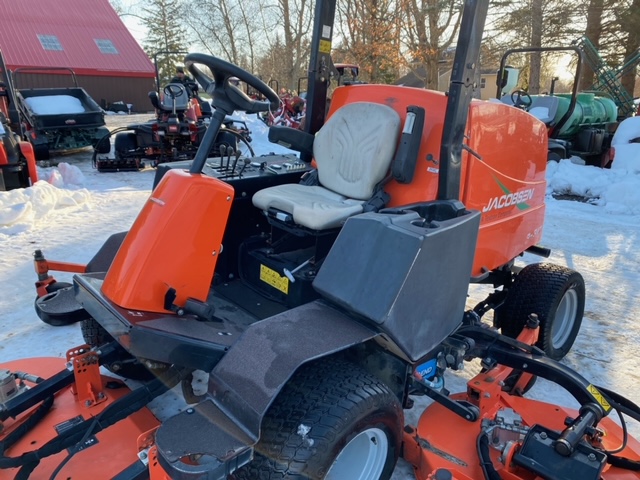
column 17, row 159
column 318, row 297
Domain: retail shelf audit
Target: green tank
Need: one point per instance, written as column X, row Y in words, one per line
column 590, row 110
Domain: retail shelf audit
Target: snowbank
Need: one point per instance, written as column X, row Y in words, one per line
column 22, row 208
column 617, row 189
column 626, row 131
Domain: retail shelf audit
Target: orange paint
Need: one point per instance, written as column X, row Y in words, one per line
column 507, row 184
column 174, row 243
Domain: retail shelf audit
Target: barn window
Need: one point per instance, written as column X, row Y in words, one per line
column 50, row 42
column 483, row 82
column 106, row 46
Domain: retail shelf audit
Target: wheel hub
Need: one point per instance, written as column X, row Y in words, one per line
column 564, row 318
column 363, row 458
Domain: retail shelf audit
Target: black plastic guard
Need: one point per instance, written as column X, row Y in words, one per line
column 245, row 382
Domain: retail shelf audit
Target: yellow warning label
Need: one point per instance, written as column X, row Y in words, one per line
column 274, row 279
column 325, row 46
column 595, row 393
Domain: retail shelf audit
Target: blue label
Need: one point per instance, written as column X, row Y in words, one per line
column 427, row 370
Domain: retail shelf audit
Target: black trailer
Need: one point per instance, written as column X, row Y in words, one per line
column 56, row 119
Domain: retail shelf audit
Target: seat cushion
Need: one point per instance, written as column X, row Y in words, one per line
column 313, row 207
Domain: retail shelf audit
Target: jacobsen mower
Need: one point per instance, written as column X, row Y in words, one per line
column 319, row 297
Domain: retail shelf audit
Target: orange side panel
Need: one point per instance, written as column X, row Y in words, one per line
column 27, row 150
column 507, row 184
column 174, row 243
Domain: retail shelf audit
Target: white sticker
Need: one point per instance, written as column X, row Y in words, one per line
column 432, row 170
column 326, row 31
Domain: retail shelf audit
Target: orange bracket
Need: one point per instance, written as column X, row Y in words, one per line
column 86, row 369
column 42, row 267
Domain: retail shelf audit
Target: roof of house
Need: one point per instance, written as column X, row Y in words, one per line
column 84, row 35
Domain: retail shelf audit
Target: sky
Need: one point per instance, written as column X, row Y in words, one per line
column 130, row 19
column 74, row 208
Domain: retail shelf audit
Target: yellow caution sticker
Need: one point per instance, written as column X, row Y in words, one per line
column 598, row 397
column 325, row 46
column 273, row 278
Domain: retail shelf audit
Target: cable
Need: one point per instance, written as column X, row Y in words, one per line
column 76, row 448
column 625, row 436
column 488, row 470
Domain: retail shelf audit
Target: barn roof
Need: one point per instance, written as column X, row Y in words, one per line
column 84, row 35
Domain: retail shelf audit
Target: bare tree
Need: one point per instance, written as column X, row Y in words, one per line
column 429, row 29
column 163, row 19
column 371, row 37
column 536, row 42
column 629, row 22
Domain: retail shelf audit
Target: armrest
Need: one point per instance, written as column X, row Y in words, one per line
column 292, row 138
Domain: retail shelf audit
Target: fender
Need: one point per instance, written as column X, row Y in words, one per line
column 247, row 379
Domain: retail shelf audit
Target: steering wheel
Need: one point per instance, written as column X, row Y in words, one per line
column 522, row 99
column 226, row 96
column 173, row 90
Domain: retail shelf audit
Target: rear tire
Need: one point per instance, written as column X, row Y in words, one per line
column 103, row 141
column 124, row 144
column 332, row 421
column 128, row 367
column 556, row 294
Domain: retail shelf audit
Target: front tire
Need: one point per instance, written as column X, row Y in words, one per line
column 332, row 421
column 557, row 295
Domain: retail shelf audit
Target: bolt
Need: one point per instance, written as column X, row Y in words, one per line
column 143, row 455
column 591, row 457
column 190, row 411
column 101, row 395
column 88, row 403
column 487, row 395
column 543, row 435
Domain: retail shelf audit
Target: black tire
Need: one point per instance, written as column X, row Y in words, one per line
column 556, row 294
column 326, row 409
column 58, row 320
column 103, row 141
column 124, row 144
column 128, row 367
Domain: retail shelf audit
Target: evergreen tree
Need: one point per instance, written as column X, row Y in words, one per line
column 165, row 33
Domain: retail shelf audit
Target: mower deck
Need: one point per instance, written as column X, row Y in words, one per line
column 109, row 452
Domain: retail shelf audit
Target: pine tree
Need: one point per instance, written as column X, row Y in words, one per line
column 165, row 33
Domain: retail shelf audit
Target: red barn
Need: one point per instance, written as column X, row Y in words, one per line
column 86, row 36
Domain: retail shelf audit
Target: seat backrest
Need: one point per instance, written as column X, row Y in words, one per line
column 354, row 149
column 544, row 108
column 182, row 101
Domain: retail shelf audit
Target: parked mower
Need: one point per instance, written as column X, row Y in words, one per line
column 174, row 134
column 319, row 299
column 579, row 123
column 17, row 160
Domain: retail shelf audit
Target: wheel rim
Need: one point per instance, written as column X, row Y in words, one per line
column 363, row 458
column 565, row 318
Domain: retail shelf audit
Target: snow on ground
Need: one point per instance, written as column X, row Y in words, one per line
column 71, row 212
